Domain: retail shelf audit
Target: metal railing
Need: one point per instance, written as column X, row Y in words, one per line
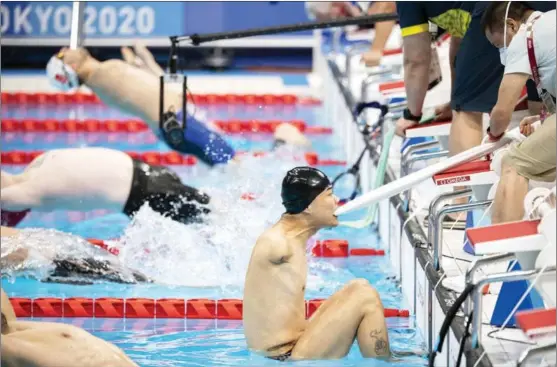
column 494, row 278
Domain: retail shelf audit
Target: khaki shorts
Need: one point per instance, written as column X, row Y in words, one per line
column 536, row 157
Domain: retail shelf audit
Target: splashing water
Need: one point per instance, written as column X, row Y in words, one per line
column 215, row 253
column 32, row 253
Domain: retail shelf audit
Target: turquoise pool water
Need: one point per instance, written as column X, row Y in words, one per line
column 203, row 342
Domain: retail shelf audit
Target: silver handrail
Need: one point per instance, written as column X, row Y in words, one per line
column 535, row 351
column 405, row 169
column 438, row 227
column 416, row 148
column 434, row 206
column 470, row 272
column 494, row 278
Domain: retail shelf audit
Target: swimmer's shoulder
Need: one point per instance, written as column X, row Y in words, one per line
column 273, row 246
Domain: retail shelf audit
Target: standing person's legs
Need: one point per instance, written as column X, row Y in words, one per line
column 353, row 312
column 478, row 75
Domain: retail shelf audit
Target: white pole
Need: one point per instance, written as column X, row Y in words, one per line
column 407, row 182
column 76, row 33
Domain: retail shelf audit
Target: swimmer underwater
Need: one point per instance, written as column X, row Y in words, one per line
column 85, row 179
column 50, row 344
column 133, row 87
column 274, row 308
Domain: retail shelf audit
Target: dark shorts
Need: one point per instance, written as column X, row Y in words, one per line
column 203, row 143
column 165, row 193
column 478, row 72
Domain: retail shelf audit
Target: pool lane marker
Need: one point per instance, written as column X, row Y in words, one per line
column 231, row 127
column 17, row 157
column 26, row 98
column 147, row 308
column 321, row 248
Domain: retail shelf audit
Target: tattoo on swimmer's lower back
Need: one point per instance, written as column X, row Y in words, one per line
column 381, row 345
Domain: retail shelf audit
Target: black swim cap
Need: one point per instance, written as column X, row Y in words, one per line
column 301, row 186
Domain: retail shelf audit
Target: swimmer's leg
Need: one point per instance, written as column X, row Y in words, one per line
column 353, row 312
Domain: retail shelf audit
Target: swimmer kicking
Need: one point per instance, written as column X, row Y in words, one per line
column 274, row 308
column 59, row 257
column 50, row 344
column 86, row 179
column 133, row 86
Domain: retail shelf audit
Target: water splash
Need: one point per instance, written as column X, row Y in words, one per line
column 32, row 253
column 215, row 253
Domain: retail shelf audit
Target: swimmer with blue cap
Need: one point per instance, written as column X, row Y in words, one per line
column 274, row 312
column 133, row 85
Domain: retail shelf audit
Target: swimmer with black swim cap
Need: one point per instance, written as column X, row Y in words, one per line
column 303, row 187
column 274, row 314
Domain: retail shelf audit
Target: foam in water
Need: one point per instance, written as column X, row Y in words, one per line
column 216, row 252
column 32, row 253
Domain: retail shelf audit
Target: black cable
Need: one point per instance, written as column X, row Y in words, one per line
column 464, row 337
column 197, row 39
column 451, row 313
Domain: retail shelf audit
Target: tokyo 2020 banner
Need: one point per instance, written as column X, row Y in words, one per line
column 111, row 23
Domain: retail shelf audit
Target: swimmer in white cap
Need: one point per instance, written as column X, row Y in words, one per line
column 134, row 87
column 49, row 344
column 86, row 179
column 274, row 310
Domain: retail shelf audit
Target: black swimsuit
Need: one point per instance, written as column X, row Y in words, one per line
column 165, row 193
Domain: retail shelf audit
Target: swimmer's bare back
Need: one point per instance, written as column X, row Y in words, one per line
column 274, row 312
column 71, row 179
column 47, row 344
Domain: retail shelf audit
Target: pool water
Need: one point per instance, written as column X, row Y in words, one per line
column 212, row 260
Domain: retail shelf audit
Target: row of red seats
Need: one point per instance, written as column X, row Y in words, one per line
column 223, row 309
column 201, row 99
column 134, row 125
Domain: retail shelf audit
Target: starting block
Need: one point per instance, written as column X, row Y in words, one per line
column 436, row 128
column 537, row 323
column 513, row 237
column 479, row 176
column 516, row 237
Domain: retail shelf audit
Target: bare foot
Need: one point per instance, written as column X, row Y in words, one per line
column 291, row 135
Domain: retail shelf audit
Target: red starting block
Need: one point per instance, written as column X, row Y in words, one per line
column 471, row 173
column 538, row 322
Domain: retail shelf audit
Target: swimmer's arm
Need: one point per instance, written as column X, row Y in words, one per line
column 509, row 93
column 382, row 29
column 13, row 259
column 417, row 57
